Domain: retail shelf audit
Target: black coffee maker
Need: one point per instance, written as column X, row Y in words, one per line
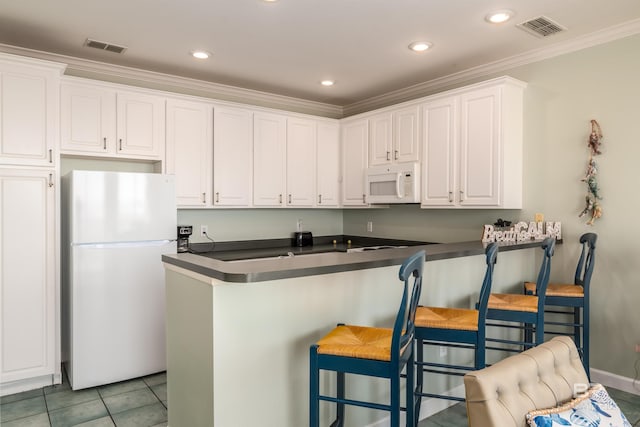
column 184, row 231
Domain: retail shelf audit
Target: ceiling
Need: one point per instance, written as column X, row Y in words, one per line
column 287, row 47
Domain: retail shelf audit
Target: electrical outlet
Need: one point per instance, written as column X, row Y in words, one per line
column 637, row 348
column 443, row 351
column 299, row 225
column 369, row 226
column 203, row 230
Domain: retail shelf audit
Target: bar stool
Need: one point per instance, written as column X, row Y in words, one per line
column 453, row 327
column 574, row 296
column 377, row 352
column 528, row 310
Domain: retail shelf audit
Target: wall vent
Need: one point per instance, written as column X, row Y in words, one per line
column 541, row 27
column 105, row 46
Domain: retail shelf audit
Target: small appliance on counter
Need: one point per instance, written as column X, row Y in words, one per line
column 184, row 231
column 302, row 238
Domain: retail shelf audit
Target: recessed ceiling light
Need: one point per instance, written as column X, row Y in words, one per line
column 327, row 82
column 499, row 16
column 420, row 46
column 200, row 54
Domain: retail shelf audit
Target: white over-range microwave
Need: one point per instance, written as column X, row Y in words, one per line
column 395, row 183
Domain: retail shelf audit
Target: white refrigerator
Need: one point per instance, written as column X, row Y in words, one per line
column 115, row 228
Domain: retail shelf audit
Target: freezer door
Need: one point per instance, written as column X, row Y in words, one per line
column 117, row 312
column 121, row 207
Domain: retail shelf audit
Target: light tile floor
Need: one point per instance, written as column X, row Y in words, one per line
column 142, row 402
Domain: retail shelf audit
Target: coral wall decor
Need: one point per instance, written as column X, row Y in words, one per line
column 592, row 207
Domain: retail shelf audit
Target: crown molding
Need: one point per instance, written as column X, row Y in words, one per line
column 153, row 80
column 447, row 82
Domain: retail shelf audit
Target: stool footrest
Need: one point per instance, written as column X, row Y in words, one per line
column 447, row 344
column 351, row 402
column 436, row 371
column 443, row 365
column 442, row 396
column 504, row 325
column 559, row 312
column 564, row 324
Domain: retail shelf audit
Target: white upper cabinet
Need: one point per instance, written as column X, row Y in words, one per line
column 439, row 179
column 102, row 121
column 29, row 109
column 232, row 156
column 301, row 162
column 189, row 151
column 355, row 141
column 28, row 283
column 473, row 147
column 394, row 136
column 269, row 159
column 328, row 165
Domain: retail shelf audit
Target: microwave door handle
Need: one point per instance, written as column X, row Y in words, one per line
column 399, row 186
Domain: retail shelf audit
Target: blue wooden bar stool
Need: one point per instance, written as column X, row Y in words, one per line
column 527, row 310
column 377, row 352
column 574, row 296
column 453, row 327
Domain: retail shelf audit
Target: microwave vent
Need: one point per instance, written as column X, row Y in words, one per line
column 105, row 46
column 541, row 27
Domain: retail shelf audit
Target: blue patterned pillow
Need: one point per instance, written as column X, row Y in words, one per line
column 592, row 409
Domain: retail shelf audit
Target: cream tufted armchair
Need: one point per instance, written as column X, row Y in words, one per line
column 541, row 377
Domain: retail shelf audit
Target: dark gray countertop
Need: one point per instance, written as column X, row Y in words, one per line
column 311, row 264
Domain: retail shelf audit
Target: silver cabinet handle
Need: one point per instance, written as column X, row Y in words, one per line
column 395, row 155
column 280, row 198
column 450, row 196
column 461, row 195
column 388, row 155
column 104, row 143
column 319, row 199
column 204, row 198
column 217, row 197
column 289, row 198
column 50, row 156
column 120, row 142
column 364, row 198
column 50, row 180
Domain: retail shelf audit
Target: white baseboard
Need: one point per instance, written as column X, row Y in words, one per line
column 430, row 406
column 26, row 385
column 616, row 381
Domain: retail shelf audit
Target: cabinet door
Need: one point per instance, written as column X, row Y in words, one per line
column 439, row 168
column 189, row 151
column 328, row 164
column 269, row 159
column 29, row 105
column 355, row 138
column 406, row 147
column 232, row 156
column 141, row 125
column 380, row 144
column 480, row 147
column 28, row 274
column 301, row 162
column 88, row 119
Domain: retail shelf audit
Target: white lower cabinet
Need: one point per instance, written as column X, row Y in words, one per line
column 28, row 277
column 189, row 151
column 473, row 147
column 232, row 156
column 355, row 140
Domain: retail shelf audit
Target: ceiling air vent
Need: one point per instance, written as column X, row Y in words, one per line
column 541, row 27
column 105, row 46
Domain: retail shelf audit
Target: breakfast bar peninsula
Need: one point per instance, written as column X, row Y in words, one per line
column 238, row 332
